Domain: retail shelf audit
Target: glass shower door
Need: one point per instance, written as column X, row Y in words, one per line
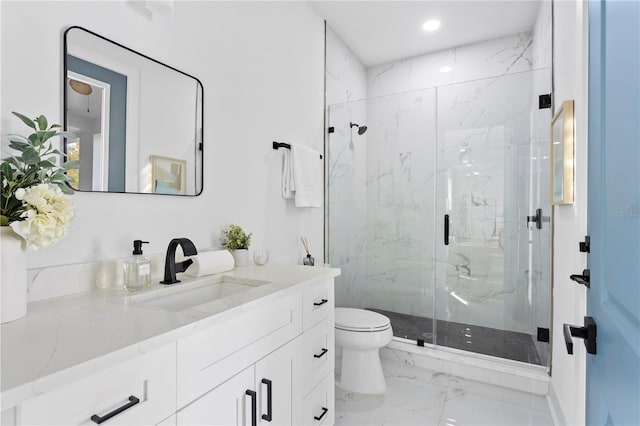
column 381, row 208
column 484, row 291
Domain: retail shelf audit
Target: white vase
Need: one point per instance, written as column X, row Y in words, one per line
column 13, row 272
column 241, row 257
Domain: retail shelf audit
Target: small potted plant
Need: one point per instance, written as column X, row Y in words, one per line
column 237, row 242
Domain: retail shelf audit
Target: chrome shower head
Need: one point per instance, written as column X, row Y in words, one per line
column 361, row 129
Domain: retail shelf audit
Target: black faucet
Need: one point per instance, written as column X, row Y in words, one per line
column 170, row 265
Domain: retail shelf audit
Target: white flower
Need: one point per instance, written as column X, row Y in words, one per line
column 47, row 215
column 20, row 193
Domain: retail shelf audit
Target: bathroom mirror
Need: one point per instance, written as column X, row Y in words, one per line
column 138, row 122
column 562, row 154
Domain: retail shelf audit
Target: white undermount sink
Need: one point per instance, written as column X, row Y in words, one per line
column 181, row 296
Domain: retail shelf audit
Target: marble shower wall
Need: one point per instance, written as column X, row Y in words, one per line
column 501, row 56
column 347, row 154
column 346, row 167
column 400, row 183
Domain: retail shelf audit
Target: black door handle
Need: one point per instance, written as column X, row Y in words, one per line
column 588, row 333
column 322, row 302
column 269, row 416
column 321, row 354
column 254, row 407
column 584, row 279
column 325, row 410
column 446, row 229
column 132, row 401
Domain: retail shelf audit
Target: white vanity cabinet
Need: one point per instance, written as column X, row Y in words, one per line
column 268, row 361
column 140, row 391
column 313, row 373
column 258, row 395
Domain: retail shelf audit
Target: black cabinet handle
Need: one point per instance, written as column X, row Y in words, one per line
column 269, row 416
column 254, row 407
column 446, row 229
column 320, row 303
column 321, row 354
column 132, row 401
column 588, row 333
column 325, row 410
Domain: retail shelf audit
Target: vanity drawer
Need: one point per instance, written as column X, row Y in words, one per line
column 317, row 303
column 318, row 408
column 208, row 358
column 317, row 354
column 149, row 378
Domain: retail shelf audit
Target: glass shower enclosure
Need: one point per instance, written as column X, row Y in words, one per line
column 430, row 214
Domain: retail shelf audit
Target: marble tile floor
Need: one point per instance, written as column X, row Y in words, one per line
column 473, row 338
column 416, row 396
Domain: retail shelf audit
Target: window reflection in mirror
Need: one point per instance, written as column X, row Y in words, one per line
column 127, row 110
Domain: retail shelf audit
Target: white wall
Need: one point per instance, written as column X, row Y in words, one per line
column 261, row 64
column 567, row 393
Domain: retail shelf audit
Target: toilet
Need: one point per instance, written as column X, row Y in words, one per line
column 359, row 336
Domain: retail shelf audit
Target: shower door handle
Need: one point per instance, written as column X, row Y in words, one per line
column 446, row 229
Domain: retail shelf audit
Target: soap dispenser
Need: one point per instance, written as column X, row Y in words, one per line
column 137, row 269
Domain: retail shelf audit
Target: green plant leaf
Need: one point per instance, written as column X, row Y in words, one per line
column 30, row 156
column 42, row 122
column 68, row 135
column 70, row 165
column 18, row 138
column 66, row 189
column 7, row 171
column 26, row 120
column 55, row 126
column 47, row 164
column 34, row 139
column 4, row 221
column 19, row 146
column 45, row 136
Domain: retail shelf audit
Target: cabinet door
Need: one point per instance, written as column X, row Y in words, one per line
column 273, row 380
column 228, row 404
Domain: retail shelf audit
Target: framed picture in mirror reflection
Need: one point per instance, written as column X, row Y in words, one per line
column 562, row 155
column 168, row 175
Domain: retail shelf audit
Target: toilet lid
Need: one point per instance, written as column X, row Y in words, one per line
column 360, row 320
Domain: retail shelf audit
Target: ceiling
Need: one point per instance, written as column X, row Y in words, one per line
column 384, row 31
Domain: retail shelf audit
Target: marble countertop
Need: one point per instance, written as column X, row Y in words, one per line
column 66, row 338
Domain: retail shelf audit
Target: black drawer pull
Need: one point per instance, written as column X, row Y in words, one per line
column 321, row 354
column 324, row 412
column 446, row 229
column 269, row 416
column 254, row 407
column 320, row 303
column 132, row 401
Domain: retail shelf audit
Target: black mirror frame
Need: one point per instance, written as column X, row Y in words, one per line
column 200, row 146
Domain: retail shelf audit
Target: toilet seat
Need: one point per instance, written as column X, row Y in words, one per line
column 360, row 320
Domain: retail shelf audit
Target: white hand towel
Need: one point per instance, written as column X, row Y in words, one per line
column 288, row 184
column 209, row 263
column 307, row 176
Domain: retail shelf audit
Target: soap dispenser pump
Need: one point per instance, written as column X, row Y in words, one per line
column 137, row 269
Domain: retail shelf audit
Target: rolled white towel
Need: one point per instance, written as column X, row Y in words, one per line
column 210, row 262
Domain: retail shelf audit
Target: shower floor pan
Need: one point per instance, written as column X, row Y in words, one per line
column 473, row 338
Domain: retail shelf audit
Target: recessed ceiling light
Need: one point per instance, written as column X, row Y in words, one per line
column 446, row 69
column 431, row 25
